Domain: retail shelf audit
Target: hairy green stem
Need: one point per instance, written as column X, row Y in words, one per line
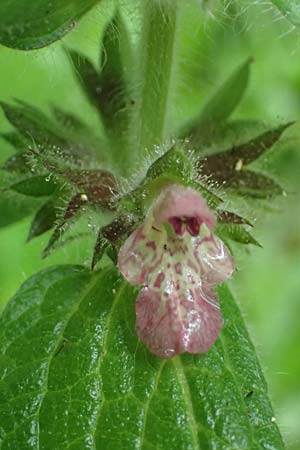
column 155, row 67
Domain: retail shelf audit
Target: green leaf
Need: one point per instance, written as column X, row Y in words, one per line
column 87, row 75
column 38, row 186
column 18, row 162
column 253, row 149
column 109, row 236
column 41, row 134
column 212, row 199
column 116, row 102
column 101, row 246
column 235, row 232
column 27, row 25
column 33, row 124
column 100, row 186
column 228, row 96
column 74, row 206
column 290, row 9
column 15, row 207
column 68, row 120
column 219, row 136
column 174, row 166
column 43, row 221
column 74, row 375
column 254, row 184
column 97, row 188
column 106, row 88
column 222, row 103
column 113, row 96
column 224, row 166
column 231, row 217
column 15, row 139
column 174, row 162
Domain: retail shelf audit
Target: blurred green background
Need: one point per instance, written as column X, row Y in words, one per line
column 211, row 44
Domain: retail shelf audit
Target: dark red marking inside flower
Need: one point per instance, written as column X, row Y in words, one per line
column 193, row 225
column 151, row 244
column 177, row 224
column 178, row 268
column 190, row 224
column 160, row 278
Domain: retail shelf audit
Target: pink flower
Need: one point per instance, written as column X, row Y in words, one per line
column 178, row 260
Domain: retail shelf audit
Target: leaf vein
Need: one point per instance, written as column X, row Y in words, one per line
column 188, row 400
column 113, row 306
column 58, row 343
column 147, row 404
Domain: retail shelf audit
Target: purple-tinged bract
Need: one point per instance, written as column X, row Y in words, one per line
column 177, row 258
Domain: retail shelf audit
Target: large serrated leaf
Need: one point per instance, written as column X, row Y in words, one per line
column 32, row 24
column 75, row 376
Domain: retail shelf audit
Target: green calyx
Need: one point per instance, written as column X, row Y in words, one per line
column 174, row 167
